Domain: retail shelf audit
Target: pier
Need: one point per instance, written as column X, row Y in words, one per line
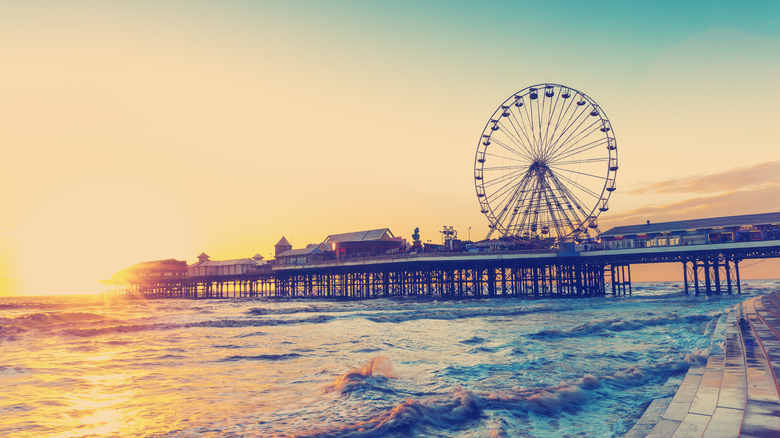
column 708, row 269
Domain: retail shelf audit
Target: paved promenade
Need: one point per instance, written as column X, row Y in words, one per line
column 736, row 393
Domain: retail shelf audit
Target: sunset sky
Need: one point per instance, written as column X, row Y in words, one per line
column 158, row 129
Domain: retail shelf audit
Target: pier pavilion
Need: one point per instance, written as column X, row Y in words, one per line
column 709, row 249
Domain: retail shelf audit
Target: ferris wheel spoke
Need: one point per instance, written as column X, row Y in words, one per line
column 558, row 217
column 527, row 145
column 500, row 183
column 509, row 158
column 502, row 196
column 507, row 178
column 505, row 204
column 517, row 123
column 581, row 189
column 523, row 203
column 527, row 119
column 576, row 138
column 574, row 205
column 554, row 109
column 501, row 199
column 514, row 167
column 514, row 204
column 572, row 126
column 535, row 121
column 543, row 116
column 510, row 148
column 577, row 185
column 558, row 123
column 583, row 148
column 539, row 121
column 580, row 161
column 577, row 172
column 538, row 207
column 575, row 122
column 520, row 146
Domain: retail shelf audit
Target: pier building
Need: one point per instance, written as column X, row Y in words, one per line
column 207, row 267
column 709, row 249
column 364, row 243
column 282, row 246
column 303, row 256
column 162, row 275
column 743, row 228
column 151, row 271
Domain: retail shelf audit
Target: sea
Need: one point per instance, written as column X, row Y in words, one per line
column 89, row 366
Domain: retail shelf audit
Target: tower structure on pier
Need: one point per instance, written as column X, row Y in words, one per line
column 282, row 246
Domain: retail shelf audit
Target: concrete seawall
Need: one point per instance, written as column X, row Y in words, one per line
column 737, row 392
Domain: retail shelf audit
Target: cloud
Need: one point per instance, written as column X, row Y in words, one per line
column 764, row 199
column 728, row 180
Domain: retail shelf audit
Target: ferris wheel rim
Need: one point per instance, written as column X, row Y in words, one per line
column 538, row 162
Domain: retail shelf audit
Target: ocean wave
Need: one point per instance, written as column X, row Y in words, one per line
column 35, row 320
column 319, row 319
column 379, row 365
column 620, row 325
column 115, row 329
column 464, row 405
column 263, row 357
column 285, row 311
column 40, row 305
column 222, row 323
column 7, row 331
column 13, row 371
column 457, row 313
column 473, row 340
column 571, row 394
column 249, row 335
column 400, row 420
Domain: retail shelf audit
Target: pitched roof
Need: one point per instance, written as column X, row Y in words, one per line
column 361, row 236
column 223, row 262
column 166, row 263
column 283, row 242
column 311, row 249
column 715, row 222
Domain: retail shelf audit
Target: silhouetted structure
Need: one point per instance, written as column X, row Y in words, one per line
column 366, row 270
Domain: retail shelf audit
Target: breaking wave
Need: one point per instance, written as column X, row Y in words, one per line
column 262, row 357
column 35, row 320
column 285, row 311
column 620, row 325
column 379, row 365
column 224, row 323
column 458, row 313
column 461, row 405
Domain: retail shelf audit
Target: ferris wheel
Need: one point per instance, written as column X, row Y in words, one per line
column 546, row 164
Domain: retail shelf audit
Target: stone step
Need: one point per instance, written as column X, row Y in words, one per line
column 737, row 392
column 762, row 412
column 696, row 401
